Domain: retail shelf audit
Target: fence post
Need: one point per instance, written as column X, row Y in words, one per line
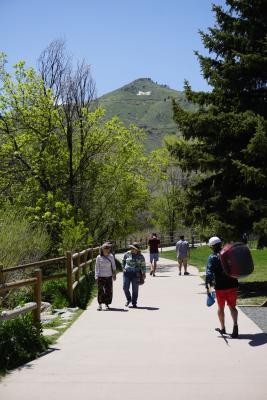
column 69, row 276
column 1, row 274
column 38, row 296
column 78, row 265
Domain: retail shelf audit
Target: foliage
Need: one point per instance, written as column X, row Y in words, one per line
column 260, row 228
column 20, row 240
column 80, row 176
column 167, row 191
column 225, row 139
column 20, row 342
column 55, row 292
column 85, row 291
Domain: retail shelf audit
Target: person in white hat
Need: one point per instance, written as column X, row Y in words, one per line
column 225, row 286
column 133, row 263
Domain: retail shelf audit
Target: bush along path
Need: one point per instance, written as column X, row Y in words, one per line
column 45, row 295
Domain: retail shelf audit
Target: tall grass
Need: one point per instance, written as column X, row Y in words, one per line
column 20, row 241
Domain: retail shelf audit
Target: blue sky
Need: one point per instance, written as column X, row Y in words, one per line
column 122, row 39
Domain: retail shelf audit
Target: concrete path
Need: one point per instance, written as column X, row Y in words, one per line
column 165, row 350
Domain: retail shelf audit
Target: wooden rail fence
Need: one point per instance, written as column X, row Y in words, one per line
column 76, row 267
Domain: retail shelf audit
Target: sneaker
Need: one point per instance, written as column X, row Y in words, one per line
column 127, row 303
column 99, row 308
column 134, row 305
column 186, row 273
column 234, row 335
column 151, row 272
column 107, row 307
column 180, row 273
column 222, row 331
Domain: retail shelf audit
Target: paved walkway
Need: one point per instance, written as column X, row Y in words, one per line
column 167, row 349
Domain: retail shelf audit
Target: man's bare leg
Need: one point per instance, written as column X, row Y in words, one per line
column 180, row 267
column 154, row 267
column 221, row 317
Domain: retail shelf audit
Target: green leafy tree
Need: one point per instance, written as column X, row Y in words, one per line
column 167, row 194
column 80, row 177
column 225, row 140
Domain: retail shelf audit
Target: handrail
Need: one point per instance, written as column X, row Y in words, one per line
column 74, row 274
column 40, row 264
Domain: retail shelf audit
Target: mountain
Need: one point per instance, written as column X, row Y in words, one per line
column 147, row 105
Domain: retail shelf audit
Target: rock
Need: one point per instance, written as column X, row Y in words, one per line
column 63, row 326
column 47, row 318
column 60, row 311
column 66, row 316
column 49, row 332
column 45, row 306
column 73, row 309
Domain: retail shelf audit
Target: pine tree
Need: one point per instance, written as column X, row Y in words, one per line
column 226, row 139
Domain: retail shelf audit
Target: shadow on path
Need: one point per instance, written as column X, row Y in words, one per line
column 147, row 308
column 117, row 309
column 257, row 339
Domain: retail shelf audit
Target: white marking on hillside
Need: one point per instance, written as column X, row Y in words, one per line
column 140, row 93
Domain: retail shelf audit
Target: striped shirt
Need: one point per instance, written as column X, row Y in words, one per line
column 105, row 266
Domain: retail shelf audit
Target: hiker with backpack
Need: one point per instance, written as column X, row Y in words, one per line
column 225, row 286
column 105, row 274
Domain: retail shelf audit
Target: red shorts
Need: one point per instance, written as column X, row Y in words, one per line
column 226, row 295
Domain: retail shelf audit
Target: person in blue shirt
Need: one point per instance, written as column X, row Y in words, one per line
column 225, row 286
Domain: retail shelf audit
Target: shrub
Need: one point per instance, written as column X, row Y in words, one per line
column 55, row 292
column 20, row 342
column 13, row 227
column 85, row 291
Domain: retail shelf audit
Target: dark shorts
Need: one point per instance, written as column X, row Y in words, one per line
column 226, row 295
column 154, row 256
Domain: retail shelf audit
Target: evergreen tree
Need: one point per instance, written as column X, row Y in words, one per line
column 226, row 139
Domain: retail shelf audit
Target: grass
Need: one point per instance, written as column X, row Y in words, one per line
column 252, row 289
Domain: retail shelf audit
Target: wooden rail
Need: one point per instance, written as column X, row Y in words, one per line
column 76, row 266
column 35, row 306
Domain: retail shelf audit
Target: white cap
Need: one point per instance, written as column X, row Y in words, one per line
column 214, row 240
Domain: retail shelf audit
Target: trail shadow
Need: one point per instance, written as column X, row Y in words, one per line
column 48, row 351
column 147, row 308
column 117, row 309
column 252, row 289
column 165, row 268
column 29, row 364
column 256, row 339
column 162, row 276
column 222, row 335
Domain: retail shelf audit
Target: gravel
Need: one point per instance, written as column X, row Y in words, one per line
column 258, row 315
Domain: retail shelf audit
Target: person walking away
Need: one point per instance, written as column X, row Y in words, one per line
column 153, row 244
column 182, row 251
column 105, row 274
column 225, row 286
column 133, row 263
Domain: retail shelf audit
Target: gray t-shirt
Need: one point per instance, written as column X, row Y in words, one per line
column 182, row 247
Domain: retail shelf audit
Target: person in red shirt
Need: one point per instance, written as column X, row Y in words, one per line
column 153, row 244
